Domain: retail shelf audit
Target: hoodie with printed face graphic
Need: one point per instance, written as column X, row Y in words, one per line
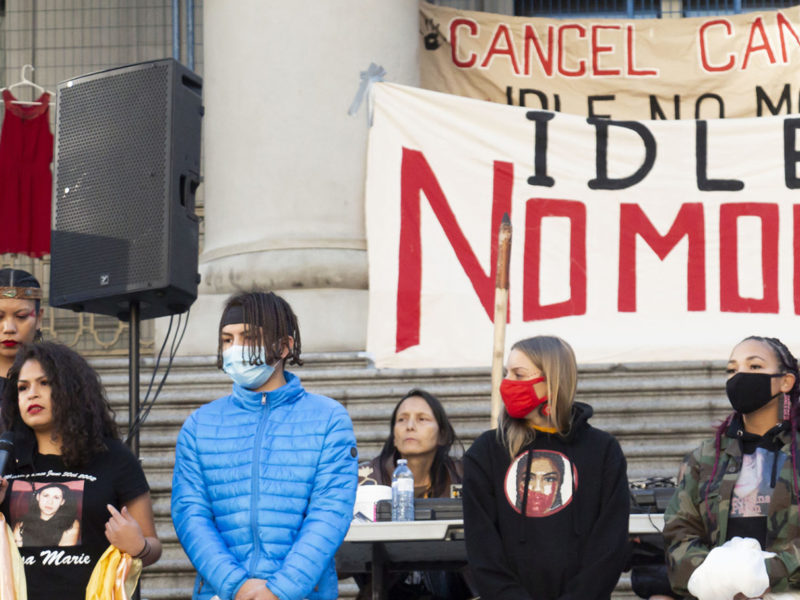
column 551, row 523
column 541, row 472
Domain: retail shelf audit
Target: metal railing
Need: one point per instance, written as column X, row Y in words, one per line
column 632, row 9
column 702, row 8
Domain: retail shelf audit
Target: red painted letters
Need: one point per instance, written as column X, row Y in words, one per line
column 537, row 209
column 416, row 177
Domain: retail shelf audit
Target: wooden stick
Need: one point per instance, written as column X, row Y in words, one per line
column 500, row 314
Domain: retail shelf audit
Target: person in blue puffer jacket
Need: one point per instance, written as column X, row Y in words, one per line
column 265, row 478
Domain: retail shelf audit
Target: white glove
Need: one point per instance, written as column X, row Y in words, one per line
column 735, row 567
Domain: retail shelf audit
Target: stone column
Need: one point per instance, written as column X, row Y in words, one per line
column 284, row 164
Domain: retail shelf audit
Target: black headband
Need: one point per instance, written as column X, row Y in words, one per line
column 233, row 315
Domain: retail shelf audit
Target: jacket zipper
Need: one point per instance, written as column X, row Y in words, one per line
column 262, row 423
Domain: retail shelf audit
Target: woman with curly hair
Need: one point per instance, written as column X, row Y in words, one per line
column 67, row 449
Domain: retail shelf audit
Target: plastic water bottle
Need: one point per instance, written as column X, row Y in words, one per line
column 402, row 492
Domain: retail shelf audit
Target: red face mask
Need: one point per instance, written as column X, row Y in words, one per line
column 520, row 398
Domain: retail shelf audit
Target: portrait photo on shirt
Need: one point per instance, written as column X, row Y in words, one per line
column 46, row 513
column 753, row 490
column 551, row 483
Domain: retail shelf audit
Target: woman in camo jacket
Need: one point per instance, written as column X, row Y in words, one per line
column 743, row 482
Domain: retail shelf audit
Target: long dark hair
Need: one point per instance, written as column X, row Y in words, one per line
column 443, row 463
column 82, row 416
column 788, row 364
column 38, row 532
column 271, row 322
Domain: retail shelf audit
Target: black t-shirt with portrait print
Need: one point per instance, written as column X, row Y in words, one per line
column 60, row 550
column 752, row 494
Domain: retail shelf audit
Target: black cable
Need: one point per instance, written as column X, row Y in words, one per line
column 158, row 358
column 174, row 350
column 176, row 342
column 134, row 424
column 147, row 404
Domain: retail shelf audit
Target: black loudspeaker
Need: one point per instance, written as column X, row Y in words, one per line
column 127, row 165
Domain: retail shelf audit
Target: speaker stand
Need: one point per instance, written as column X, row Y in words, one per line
column 133, row 391
column 133, row 376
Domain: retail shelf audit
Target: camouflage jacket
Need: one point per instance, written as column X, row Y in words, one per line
column 697, row 521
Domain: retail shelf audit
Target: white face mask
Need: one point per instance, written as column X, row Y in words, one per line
column 237, row 365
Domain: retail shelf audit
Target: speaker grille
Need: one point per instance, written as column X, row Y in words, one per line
column 113, row 144
column 127, row 165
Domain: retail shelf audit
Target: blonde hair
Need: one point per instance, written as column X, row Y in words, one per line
column 556, row 360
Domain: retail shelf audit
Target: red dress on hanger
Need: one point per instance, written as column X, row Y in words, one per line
column 26, row 151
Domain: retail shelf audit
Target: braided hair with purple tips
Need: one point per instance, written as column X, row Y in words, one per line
column 788, row 364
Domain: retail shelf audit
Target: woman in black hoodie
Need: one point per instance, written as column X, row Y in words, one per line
column 546, row 499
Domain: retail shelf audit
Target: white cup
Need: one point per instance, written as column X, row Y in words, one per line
column 367, row 498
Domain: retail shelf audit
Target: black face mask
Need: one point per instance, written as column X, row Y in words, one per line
column 747, row 392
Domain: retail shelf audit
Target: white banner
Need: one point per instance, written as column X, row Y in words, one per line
column 632, row 240
column 705, row 67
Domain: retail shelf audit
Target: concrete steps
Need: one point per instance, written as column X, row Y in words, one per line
column 658, row 411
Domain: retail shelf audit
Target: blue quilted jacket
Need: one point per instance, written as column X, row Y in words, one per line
column 264, row 487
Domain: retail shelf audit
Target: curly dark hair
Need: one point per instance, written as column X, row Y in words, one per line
column 82, row 416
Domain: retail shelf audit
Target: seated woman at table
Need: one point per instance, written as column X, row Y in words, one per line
column 546, row 500
column 420, row 432
column 739, row 489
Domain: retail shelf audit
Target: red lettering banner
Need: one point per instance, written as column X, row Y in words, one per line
column 634, row 240
column 742, row 65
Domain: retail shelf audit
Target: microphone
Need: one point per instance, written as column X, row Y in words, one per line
column 6, row 450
